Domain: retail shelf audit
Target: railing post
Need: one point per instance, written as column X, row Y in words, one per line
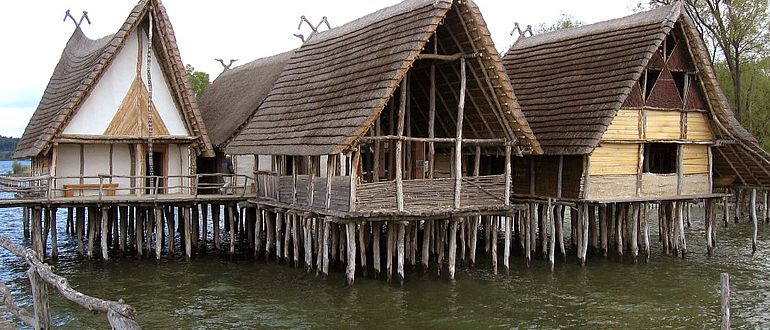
column 39, row 299
column 101, row 182
column 197, row 180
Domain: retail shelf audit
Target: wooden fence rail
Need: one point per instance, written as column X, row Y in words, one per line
column 119, row 314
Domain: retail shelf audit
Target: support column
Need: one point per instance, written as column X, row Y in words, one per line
column 452, row 249
column 350, row 271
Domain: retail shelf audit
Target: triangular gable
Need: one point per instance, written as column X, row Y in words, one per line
column 695, row 99
column 85, row 61
column 680, row 58
column 131, row 117
column 634, row 99
column 656, row 62
column 665, row 94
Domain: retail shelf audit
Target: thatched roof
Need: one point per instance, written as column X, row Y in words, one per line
column 82, row 64
column 572, row 82
column 340, row 80
column 234, row 96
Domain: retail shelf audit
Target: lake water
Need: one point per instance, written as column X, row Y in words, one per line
column 215, row 292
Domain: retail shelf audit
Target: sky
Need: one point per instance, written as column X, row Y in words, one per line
column 34, row 34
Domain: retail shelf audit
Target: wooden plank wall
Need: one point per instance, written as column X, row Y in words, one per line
column 615, row 159
column 696, row 159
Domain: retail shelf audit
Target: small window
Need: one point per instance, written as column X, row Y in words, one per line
column 660, row 158
column 679, row 80
column 652, row 78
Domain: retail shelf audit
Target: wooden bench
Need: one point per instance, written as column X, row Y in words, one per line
column 109, row 188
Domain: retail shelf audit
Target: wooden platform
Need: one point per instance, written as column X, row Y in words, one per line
column 175, row 199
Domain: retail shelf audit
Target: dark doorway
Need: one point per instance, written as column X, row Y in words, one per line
column 157, row 170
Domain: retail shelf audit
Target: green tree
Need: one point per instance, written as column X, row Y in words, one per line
column 199, row 81
column 565, row 21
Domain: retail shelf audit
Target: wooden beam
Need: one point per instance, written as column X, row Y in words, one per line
column 448, row 58
column 587, row 177
column 354, row 178
column 459, row 144
column 559, row 178
column 399, row 144
column 432, row 115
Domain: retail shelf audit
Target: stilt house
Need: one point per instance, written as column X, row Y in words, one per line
column 628, row 109
column 406, row 112
column 117, row 110
column 227, row 105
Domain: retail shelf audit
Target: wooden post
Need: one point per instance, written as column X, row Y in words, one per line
column 620, row 217
column 527, row 220
column 159, row 232
column 354, row 166
column 603, row 230
column 325, row 249
column 708, row 214
column 308, row 250
column 123, row 223
column 426, row 245
column 474, row 232
column 37, row 235
column 634, row 231
column 204, row 225
column 187, row 235
column 54, row 246
column 351, row 249
column 215, row 208
column 452, row 249
column 494, row 245
column 278, row 235
column 232, row 227
column 92, row 215
column 295, row 233
column 459, row 138
column 766, row 213
column 39, row 299
column 432, row 115
column 558, row 219
column 586, row 210
column 726, row 210
column 376, row 247
column 25, row 221
column 389, row 251
column 552, row 245
column 507, row 249
column 682, row 237
column 270, row 233
column 287, row 234
column 680, row 169
column 754, row 219
column 362, row 245
column 399, row 145
column 400, row 251
column 171, row 231
column 105, row 227
column 80, row 215
column 725, row 301
column 646, row 233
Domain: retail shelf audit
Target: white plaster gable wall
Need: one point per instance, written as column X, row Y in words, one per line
column 162, row 94
column 102, row 103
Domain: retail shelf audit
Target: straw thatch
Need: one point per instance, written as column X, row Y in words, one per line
column 340, row 80
column 236, row 94
column 82, row 64
column 572, row 82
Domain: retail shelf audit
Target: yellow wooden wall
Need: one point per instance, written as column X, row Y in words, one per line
column 615, row 159
column 663, row 125
column 696, row 159
column 625, row 126
column 658, row 125
column 698, row 127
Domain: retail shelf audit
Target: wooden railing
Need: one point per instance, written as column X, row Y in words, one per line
column 119, row 314
column 100, row 186
column 274, row 187
column 432, row 194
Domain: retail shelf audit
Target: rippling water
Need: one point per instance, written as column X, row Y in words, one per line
column 213, row 291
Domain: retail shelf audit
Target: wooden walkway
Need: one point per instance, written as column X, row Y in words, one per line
column 136, row 200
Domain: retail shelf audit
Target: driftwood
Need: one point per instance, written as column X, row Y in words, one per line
column 11, row 307
column 119, row 314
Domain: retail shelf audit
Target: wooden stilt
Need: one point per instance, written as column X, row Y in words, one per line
column 634, row 228
column 620, row 218
column 287, row 236
column 586, row 216
column 463, row 226
column 376, row 227
column 494, row 245
column 681, row 230
column 204, row 226
column 425, row 245
column 646, row 232
column 25, row 216
column 726, row 211
column 194, row 225
column 603, row 213
column 231, row 221
column 593, row 229
column 170, row 223
column 552, row 241
column 188, row 235
column 37, row 232
column 542, row 225
column 296, row 238
column 527, row 241
column 80, row 214
column 441, row 237
column 558, row 222
column 707, row 222
column 159, row 232
column 46, row 227
column 362, row 246
column 350, row 271
column 325, row 248
column 92, row 219
column 54, row 238
column 215, row 218
column 400, row 252
column 754, row 219
column 308, row 250
column 452, row 249
column 149, row 227
column 105, row 227
column 123, row 223
column 258, row 233
column 474, row 239
column 389, row 251
column 507, row 249
column 279, row 236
